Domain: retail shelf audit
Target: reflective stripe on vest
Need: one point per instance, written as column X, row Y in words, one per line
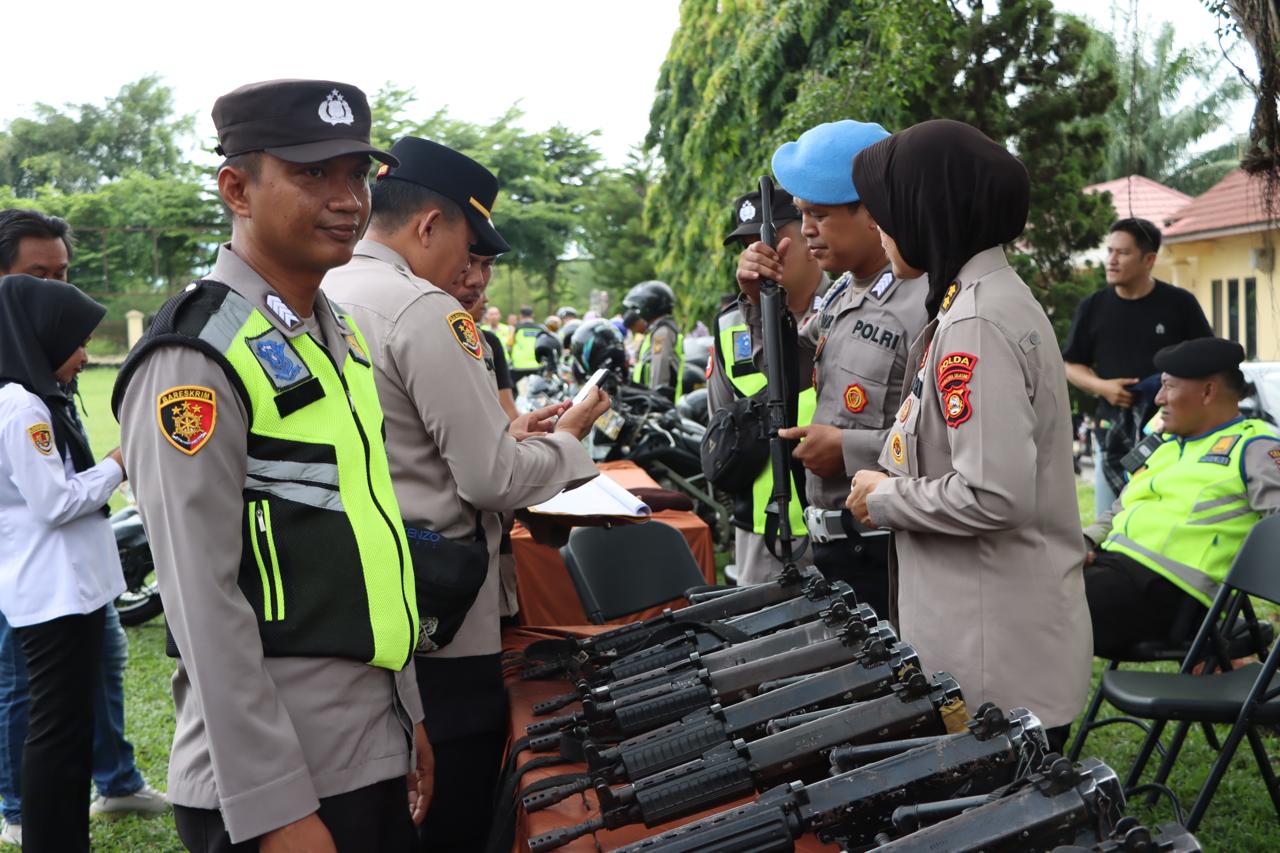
column 1186, row 513
column 748, row 382
column 523, row 356
column 325, row 562
column 640, row 373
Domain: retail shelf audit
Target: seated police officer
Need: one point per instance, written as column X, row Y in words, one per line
column 1176, row 527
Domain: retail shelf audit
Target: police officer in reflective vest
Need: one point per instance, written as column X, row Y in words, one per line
column 732, row 374
column 660, row 358
column 255, row 438
column 524, row 340
column 859, row 339
column 1170, row 537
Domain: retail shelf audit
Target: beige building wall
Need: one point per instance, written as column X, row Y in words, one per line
column 1239, row 298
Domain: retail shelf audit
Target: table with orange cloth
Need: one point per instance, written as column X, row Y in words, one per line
column 580, row 807
column 546, row 592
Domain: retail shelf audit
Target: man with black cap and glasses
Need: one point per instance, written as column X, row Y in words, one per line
column 732, row 374
column 454, row 455
column 251, row 418
column 1161, row 550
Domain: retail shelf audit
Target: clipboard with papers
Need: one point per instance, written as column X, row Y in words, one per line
column 598, row 501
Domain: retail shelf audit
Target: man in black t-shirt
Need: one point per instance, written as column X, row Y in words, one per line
column 1114, row 337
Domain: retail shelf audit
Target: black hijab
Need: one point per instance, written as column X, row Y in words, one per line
column 944, row 192
column 41, row 325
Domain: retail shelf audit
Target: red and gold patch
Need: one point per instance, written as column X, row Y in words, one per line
column 897, row 450
column 904, row 410
column 953, row 290
column 187, row 415
column 710, row 365
column 855, row 399
column 955, row 371
column 464, row 332
column 41, row 437
column 1275, row 456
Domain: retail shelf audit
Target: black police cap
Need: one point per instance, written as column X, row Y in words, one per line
column 456, row 177
column 746, row 213
column 302, row 121
column 1200, row 357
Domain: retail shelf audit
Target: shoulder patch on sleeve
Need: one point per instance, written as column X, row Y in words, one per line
column 955, row 370
column 187, row 415
column 41, row 437
column 464, row 332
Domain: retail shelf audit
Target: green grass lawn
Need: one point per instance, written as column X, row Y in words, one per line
column 1241, row 818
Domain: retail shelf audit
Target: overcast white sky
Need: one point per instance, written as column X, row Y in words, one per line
column 589, row 64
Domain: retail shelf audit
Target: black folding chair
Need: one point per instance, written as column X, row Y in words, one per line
column 1244, row 698
column 622, row 570
column 1174, row 647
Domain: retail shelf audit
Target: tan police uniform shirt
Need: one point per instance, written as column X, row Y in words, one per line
column 261, row 738
column 664, row 356
column 447, row 438
column 858, row 340
column 982, row 496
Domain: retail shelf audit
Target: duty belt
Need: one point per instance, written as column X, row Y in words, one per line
column 830, row 525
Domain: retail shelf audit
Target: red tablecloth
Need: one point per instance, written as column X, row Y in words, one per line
column 582, row 807
column 545, row 590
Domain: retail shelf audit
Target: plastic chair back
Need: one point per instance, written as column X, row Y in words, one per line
column 622, row 570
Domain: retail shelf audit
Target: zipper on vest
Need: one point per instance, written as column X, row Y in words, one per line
column 373, row 495
column 264, row 554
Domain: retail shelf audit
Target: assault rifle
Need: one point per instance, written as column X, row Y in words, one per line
column 872, row 673
column 816, row 597
column 667, row 701
column 1130, row 836
column 1061, row 804
column 706, row 608
column 855, row 806
column 830, row 623
column 739, row 768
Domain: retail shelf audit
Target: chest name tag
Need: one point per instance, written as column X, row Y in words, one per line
column 741, row 346
column 278, row 359
column 1220, row 453
column 872, row 333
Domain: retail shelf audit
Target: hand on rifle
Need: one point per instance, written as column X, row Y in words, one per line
column 820, row 449
column 757, row 262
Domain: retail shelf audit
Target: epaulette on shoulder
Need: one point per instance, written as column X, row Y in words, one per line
column 833, row 293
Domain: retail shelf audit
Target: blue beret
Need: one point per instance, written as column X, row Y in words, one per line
column 818, row 167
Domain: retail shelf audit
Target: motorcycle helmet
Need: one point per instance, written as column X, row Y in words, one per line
column 647, row 301
column 547, row 348
column 567, row 330
column 597, row 344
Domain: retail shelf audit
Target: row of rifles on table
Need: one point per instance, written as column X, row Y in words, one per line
column 792, row 692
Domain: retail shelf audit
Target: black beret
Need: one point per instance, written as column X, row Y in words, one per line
column 302, row 121
column 1199, row 357
column 746, row 213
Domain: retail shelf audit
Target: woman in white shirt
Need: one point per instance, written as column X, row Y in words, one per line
column 59, row 568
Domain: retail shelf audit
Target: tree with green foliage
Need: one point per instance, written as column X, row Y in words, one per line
column 613, row 231
column 1153, row 136
column 81, row 146
column 546, row 178
column 742, row 76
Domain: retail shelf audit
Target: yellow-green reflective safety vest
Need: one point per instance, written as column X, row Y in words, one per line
column 324, row 558
column 523, row 345
column 1186, row 512
column 504, row 333
column 644, row 358
column 734, row 341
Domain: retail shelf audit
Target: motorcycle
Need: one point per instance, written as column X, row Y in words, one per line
column 140, row 601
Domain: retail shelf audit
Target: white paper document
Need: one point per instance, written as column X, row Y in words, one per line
column 601, row 496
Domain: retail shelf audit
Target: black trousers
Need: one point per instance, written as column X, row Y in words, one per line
column 1129, row 603
column 862, row 565
column 63, row 657
column 373, row 819
column 465, row 703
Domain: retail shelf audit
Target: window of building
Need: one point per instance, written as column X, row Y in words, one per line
column 1233, row 309
column 1216, row 300
column 1250, row 318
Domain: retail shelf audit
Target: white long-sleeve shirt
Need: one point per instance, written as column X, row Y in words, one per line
column 57, row 553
